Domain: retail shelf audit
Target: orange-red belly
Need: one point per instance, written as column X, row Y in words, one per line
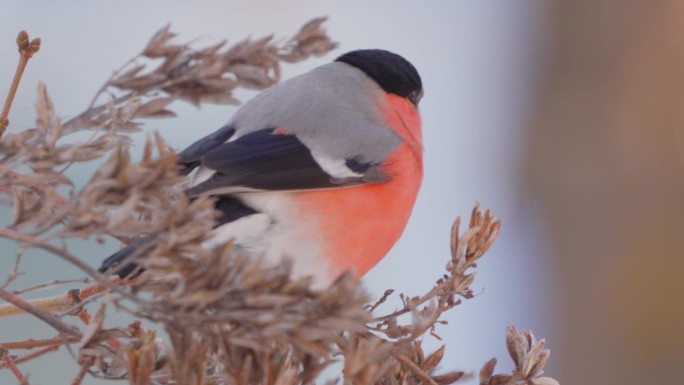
column 361, row 224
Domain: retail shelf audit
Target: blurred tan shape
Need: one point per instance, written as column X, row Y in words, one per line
column 606, row 163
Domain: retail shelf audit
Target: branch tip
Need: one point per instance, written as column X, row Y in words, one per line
column 26, row 50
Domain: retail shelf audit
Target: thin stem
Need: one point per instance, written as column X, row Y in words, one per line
column 51, row 284
column 31, row 344
column 4, row 122
column 44, row 315
column 26, row 51
column 34, row 242
column 80, row 121
column 86, row 363
column 36, row 354
column 9, row 362
column 415, row 369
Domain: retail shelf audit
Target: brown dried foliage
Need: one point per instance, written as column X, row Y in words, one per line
column 227, row 318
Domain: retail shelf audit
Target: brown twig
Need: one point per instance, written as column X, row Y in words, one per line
column 84, row 316
column 380, row 301
column 466, row 249
column 65, row 301
column 81, row 121
column 415, row 369
column 44, row 315
column 26, row 50
column 52, row 283
column 31, row 343
column 9, row 362
column 14, row 271
column 54, row 303
column 86, row 363
column 33, row 355
column 35, row 242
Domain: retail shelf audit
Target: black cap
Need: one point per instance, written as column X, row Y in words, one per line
column 392, row 72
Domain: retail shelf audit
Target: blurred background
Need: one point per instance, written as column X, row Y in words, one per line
column 563, row 118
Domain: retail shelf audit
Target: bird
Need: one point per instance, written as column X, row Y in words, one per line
column 323, row 168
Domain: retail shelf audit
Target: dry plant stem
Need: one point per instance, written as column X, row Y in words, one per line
column 14, row 271
column 104, row 87
column 86, row 363
column 67, row 301
column 33, row 355
column 9, row 362
column 26, row 51
column 44, row 315
column 4, row 121
column 54, row 282
column 35, row 242
column 417, row 303
column 78, row 122
column 466, row 250
column 30, row 240
column 31, row 343
column 45, row 190
column 42, row 189
column 84, row 316
column 415, row 369
column 55, row 303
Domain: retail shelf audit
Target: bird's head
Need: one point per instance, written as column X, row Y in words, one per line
column 392, row 72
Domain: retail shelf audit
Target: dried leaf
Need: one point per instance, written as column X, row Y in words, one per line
column 500, row 379
column 448, row 378
column 516, row 344
column 157, row 46
column 142, row 83
column 433, row 359
column 130, row 108
column 537, row 367
column 532, row 358
column 531, row 339
column 154, row 106
column 45, row 110
column 212, row 49
column 487, row 371
column 127, row 75
column 161, row 114
column 94, row 327
column 252, row 76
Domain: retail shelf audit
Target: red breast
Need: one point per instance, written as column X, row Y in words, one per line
column 361, row 224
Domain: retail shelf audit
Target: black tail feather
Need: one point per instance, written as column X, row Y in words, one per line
column 121, row 263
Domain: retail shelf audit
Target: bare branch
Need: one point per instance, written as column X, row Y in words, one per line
column 26, row 51
column 10, row 363
column 44, row 315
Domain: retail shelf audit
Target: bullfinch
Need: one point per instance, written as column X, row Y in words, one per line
column 323, row 168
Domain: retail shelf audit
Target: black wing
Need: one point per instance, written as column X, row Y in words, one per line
column 190, row 157
column 263, row 160
column 260, row 160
